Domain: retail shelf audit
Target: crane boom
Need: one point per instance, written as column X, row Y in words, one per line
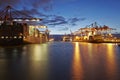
column 12, row 14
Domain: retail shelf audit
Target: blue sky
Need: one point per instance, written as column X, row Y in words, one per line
column 61, row 16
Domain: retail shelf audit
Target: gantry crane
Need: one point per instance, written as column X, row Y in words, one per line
column 12, row 14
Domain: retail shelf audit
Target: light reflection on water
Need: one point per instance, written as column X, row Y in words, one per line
column 111, row 65
column 77, row 73
column 60, row 61
column 39, row 62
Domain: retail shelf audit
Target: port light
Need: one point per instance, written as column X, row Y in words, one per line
column 6, row 37
column 20, row 37
column 15, row 37
column 2, row 37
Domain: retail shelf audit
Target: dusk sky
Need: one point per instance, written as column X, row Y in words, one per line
column 61, row 16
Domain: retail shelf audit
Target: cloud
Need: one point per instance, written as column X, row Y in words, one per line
column 39, row 3
column 63, row 29
column 60, row 20
column 33, row 8
column 32, row 12
column 49, row 20
column 73, row 21
column 48, row 8
column 27, row 7
column 36, row 4
column 4, row 3
column 45, row 5
column 55, row 20
column 25, row 13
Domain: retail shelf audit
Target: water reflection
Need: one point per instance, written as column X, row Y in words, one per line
column 77, row 73
column 29, row 62
column 111, row 62
column 90, row 50
column 39, row 67
column 2, row 65
column 10, row 62
column 54, row 61
column 11, row 53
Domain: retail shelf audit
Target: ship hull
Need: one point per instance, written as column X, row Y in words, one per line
column 11, row 41
column 11, row 34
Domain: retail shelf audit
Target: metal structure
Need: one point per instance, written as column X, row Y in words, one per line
column 15, row 30
column 12, row 14
column 94, row 32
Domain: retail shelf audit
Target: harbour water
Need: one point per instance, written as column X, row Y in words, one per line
column 60, row 61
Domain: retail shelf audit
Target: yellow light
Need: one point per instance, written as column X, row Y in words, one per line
column 77, row 71
column 39, row 60
column 37, row 20
column 2, row 37
column 110, row 34
column 42, row 27
column 110, row 60
column 85, row 37
column 33, row 20
column 19, row 20
column 89, row 34
column 15, row 20
column 6, row 37
column 20, row 37
column 15, row 37
column 26, row 19
column 77, row 37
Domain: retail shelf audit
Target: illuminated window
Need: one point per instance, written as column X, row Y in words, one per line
column 26, row 20
column 6, row 37
column 20, row 37
column 2, row 37
column 15, row 37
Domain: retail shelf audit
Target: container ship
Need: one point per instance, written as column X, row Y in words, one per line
column 11, row 33
column 14, row 29
column 96, row 33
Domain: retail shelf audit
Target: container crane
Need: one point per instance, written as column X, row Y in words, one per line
column 11, row 14
column 13, row 27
